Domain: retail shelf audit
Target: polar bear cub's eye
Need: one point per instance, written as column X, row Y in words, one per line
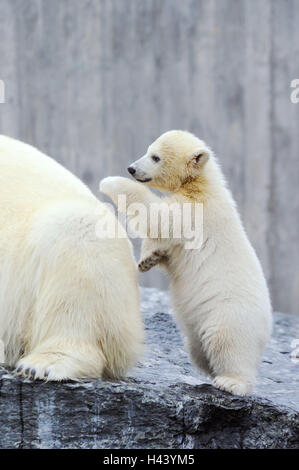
column 156, row 158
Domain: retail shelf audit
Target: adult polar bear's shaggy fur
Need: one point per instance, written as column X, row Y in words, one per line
column 219, row 291
column 65, row 312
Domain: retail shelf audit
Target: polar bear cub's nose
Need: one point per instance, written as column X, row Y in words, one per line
column 131, row 170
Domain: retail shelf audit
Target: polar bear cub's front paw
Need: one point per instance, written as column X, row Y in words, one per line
column 152, row 260
column 112, row 186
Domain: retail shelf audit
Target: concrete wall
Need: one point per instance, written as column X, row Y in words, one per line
column 93, row 82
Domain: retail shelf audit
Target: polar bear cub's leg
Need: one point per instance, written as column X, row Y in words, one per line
column 233, row 376
column 231, row 352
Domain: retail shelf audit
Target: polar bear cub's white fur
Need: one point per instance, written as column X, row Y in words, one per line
column 219, row 291
column 69, row 300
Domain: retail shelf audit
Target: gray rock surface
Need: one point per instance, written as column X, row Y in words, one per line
column 164, row 403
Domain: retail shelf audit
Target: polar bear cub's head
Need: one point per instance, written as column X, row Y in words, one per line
column 171, row 161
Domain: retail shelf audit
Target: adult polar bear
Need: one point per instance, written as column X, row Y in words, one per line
column 65, row 312
column 219, row 291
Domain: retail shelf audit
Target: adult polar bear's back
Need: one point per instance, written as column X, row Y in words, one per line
column 34, row 173
column 62, row 288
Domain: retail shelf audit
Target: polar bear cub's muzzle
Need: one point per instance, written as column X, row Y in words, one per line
column 145, row 169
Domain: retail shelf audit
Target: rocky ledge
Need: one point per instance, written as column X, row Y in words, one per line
column 164, row 403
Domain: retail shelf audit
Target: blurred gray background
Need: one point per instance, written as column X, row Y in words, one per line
column 93, row 82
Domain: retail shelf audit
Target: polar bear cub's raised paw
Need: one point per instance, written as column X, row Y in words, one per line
column 112, row 186
column 232, row 385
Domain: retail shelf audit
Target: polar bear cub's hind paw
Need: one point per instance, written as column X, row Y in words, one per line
column 232, row 385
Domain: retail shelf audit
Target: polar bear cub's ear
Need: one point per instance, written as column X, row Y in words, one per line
column 199, row 158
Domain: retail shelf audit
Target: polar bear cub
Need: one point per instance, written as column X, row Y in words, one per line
column 65, row 312
column 219, row 292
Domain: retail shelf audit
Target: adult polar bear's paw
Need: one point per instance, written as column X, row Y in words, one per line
column 59, row 366
column 232, row 385
column 44, row 367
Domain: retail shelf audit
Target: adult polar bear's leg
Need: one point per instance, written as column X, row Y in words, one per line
column 78, row 326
